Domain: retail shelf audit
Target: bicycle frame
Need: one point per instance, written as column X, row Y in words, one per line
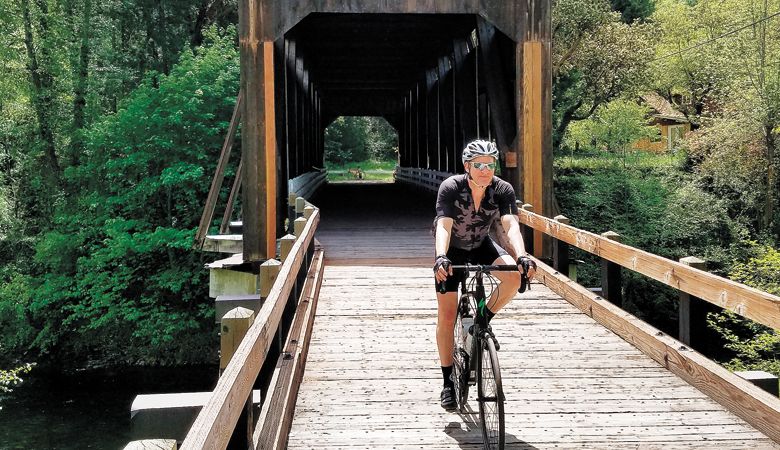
column 480, row 321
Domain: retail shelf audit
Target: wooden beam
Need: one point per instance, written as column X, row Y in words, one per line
column 758, row 408
column 533, row 132
column 258, row 135
column 743, row 300
column 219, row 174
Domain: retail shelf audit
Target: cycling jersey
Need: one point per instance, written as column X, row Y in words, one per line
column 471, row 227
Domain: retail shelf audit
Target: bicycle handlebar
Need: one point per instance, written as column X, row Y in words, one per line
column 486, row 268
column 525, row 282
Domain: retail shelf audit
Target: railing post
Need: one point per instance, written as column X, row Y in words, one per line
column 528, row 232
column 561, row 250
column 692, row 311
column 300, row 205
column 234, row 326
column 269, row 271
column 291, row 211
column 611, row 285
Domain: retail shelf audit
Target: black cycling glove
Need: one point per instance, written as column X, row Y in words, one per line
column 442, row 261
column 525, row 263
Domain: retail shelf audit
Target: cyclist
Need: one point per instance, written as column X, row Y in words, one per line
column 466, row 207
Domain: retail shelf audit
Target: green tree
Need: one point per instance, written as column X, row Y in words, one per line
column 116, row 279
column 615, row 126
column 598, row 58
column 632, row 10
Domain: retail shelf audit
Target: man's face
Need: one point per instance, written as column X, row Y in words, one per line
column 484, row 175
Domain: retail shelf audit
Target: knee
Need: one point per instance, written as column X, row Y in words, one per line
column 512, row 280
column 447, row 318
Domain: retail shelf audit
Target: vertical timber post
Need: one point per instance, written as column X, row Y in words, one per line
column 561, row 250
column 528, row 232
column 258, row 132
column 611, row 279
column 534, row 110
column 692, row 311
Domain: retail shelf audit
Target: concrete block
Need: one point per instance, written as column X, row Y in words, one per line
column 225, row 303
column 169, row 416
column 224, row 243
column 764, row 380
column 152, row 444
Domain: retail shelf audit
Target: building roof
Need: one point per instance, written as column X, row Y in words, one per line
column 661, row 108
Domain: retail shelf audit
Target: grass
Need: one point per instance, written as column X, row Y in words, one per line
column 372, row 170
column 599, row 159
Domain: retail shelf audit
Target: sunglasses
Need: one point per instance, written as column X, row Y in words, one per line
column 481, row 166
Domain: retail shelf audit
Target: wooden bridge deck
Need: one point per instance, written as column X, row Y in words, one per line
column 372, row 378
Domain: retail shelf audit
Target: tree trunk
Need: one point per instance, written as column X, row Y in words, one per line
column 80, row 90
column 42, row 87
column 769, row 201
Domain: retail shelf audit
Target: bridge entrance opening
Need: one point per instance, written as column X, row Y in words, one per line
column 360, row 148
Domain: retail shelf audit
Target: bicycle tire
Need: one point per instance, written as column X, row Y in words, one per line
column 460, row 360
column 490, row 396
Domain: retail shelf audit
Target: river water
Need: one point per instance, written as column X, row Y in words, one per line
column 87, row 410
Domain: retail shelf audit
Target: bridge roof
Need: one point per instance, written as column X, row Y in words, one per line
column 364, row 64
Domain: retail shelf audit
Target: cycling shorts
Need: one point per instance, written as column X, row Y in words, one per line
column 486, row 253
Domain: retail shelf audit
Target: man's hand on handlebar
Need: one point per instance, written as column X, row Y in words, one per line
column 442, row 268
column 527, row 268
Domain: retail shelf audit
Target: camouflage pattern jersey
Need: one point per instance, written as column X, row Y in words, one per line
column 471, row 227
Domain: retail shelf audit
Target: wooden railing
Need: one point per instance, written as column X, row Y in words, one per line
column 425, row 178
column 743, row 300
column 217, row 420
column 754, row 405
column 307, row 184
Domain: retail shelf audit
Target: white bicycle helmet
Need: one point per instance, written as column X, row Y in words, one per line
column 478, row 148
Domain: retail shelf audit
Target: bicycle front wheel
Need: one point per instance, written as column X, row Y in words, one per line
column 460, row 365
column 490, row 395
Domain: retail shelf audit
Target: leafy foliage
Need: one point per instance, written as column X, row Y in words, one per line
column 12, row 377
column 360, row 138
column 115, row 279
column 614, row 127
column 596, row 59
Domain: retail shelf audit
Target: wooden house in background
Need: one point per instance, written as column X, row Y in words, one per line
column 672, row 124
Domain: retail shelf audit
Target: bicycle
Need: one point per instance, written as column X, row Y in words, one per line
column 474, row 337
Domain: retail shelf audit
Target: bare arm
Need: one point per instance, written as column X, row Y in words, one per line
column 515, row 237
column 512, row 229
column 443, row 230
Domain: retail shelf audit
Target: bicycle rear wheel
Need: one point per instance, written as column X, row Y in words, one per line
column 490, row 395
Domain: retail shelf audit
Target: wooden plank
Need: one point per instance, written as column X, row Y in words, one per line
column 214, row 425
column 276, row 416
column 747, row 401
column 743, row 300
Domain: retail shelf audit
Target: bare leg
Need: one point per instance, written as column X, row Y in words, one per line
column 507, row 288
column 448, row 306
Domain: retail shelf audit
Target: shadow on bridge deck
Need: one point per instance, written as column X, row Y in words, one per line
column 372, row 376
column 377, row 223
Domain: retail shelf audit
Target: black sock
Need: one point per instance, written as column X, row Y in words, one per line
column 489, row 314
column 446, row 372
